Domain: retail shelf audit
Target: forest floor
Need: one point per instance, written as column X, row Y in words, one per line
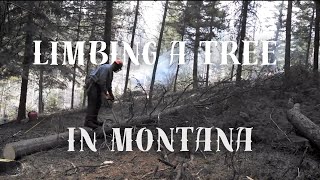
column 261, row 104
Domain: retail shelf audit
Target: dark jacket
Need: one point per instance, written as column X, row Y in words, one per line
column 103, row 76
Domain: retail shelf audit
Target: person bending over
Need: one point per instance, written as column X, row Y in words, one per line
column 98, row 87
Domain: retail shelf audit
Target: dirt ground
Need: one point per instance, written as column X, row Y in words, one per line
column 260, row 106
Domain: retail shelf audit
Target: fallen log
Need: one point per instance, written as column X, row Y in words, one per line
column 304, row 125
column 22, row 148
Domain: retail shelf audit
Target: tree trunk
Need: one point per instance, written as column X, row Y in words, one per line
column 107, row 26
column 84, row 89
column 195, row 59
column 238, row 44
column 73, row 86
column 309, row 37
column 210, row 38
column 276, row 38
column 232, row 70
column 132, row 43
column 40, row 99
column 40, row 84
column 304, row 125
column 22, row 148
column 288, row 42
column 4, row 15
column 242, row 37
column 177, row 71
column 196, row 48
column 176, row 78
column 178, row 66
column 207, row 75
column 2, row 96
column 75, row 64
column 88, row 62
column 158, row 53
column 316, row 38
column 28, row 52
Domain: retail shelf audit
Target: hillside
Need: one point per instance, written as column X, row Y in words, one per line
column 261, row 104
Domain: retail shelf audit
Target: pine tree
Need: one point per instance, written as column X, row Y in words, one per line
column 108, row 26
column 131, row 45
column 316, row 40
column 157, row 53
column 26, row 63
column 244, row 14
column 288, row 42
column 302, row 31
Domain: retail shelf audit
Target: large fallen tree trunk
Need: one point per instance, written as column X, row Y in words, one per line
column 304, row 125
column 21, row 148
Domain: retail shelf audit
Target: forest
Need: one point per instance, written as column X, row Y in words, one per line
column 274, row 87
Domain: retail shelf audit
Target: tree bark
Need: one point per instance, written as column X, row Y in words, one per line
column 196, row 47
column 2, row 96
column 236, row 52
column 176, row 78
column 288, row 42
column 304, row 125
column 158, row 53
column 84, row 89
column 195, row 59
column 4, row 15
column 26, row 66
column 22, row 148
column 88, row 62
column 107, row 27
column 210, row 38
column 316, row 38
column 40, row 84
column 178, row 66
column 276, row 38
column 132, row 43
column 309, row 37
column 40, row 99
column 75, row 64
column 177, row 71
column 231, row 74
column 242, row 37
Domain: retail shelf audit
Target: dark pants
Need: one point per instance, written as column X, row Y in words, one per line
column 94, row 102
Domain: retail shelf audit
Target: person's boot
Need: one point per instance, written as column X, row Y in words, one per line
column 91, row 124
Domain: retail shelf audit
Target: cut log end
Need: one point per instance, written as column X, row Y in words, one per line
column 296, row 107
column 9, row 152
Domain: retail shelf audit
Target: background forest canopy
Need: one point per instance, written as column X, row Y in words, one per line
column 25, row 87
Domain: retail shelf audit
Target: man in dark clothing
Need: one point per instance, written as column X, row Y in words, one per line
column 99, row 85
